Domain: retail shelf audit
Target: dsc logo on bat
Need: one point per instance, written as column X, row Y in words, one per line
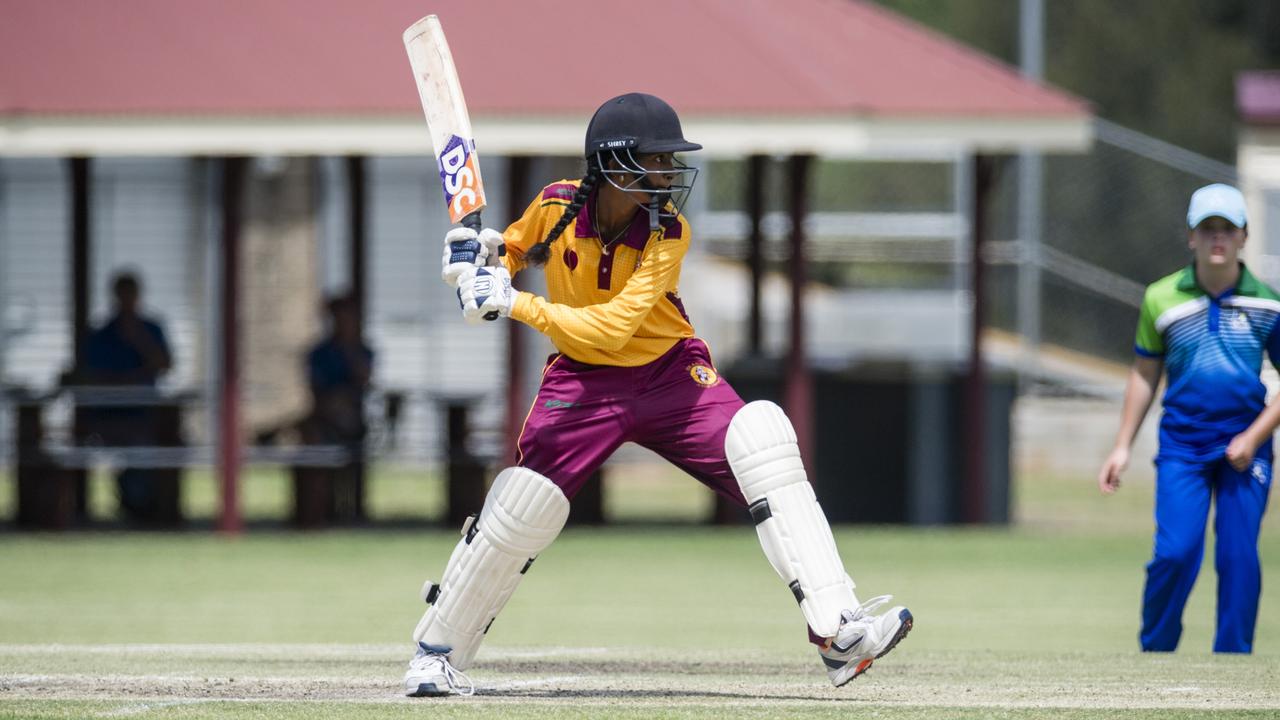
column 460, row 175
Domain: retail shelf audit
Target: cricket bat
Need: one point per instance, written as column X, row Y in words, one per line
column 447, row 120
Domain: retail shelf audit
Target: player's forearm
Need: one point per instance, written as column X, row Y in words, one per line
column 608, row 326
column 1139, row 392
column 513, row 261
column 1264, row 426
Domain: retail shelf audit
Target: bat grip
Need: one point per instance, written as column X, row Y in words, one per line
column 472, row 221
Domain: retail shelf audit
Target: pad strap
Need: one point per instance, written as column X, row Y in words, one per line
column 522, row 515
column 762, row 450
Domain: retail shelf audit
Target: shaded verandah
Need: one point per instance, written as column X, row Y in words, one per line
column 872, row 87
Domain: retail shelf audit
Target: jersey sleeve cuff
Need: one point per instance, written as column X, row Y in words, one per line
column 520, row 308
column 1147, row 353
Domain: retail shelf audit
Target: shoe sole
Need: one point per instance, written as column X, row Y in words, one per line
column 903, row 629
column 428, row 690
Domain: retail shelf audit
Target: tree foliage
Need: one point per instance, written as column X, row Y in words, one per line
column 1164, row 67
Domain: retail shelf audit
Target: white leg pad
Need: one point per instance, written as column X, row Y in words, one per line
column 762, row 450
column 523, row 513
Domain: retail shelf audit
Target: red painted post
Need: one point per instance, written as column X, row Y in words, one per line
column 799, row 381
column 229, row 449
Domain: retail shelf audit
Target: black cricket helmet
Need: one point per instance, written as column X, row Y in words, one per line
column 641, row 124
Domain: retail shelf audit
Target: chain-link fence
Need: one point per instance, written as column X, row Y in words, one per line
column 891, row 237
column 1113, row 221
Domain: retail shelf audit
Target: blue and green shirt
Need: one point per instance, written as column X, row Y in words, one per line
column 1212, row 350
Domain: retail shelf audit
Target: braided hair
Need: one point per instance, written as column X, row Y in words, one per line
column 540, row 253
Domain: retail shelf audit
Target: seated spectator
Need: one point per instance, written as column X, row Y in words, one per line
column 129, row 349
column 338, row 372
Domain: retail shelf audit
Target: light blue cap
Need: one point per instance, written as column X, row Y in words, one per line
column 1216, row 200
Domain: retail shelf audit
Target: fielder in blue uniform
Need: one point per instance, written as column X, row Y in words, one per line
column 1206, row 326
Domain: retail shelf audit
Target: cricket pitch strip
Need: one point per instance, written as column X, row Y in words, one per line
column 149, row 677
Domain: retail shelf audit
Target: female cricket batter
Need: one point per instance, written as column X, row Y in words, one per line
column 629, row 368
column 1207, row 326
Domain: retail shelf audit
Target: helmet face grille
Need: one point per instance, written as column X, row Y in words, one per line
column 622, row 170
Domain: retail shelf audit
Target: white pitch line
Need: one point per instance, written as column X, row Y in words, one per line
column 198, row 679
column 518, row 684
column 498, row 653
column 312, row 650
column 306, row 649
column 31, row 680
column 148, row 707
column 326, row 650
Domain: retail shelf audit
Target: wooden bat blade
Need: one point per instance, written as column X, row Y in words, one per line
column 445, row 110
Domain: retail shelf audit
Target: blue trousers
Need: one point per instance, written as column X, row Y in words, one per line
column 1183, row 492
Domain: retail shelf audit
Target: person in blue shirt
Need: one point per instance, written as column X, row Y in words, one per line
column 129, row 349
column 339, row 368
column 1206, row 327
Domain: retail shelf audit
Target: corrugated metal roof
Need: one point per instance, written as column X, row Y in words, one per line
column 337, row 56
column 330, row 76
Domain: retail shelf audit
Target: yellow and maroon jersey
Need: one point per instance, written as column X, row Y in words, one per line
column 606, row 306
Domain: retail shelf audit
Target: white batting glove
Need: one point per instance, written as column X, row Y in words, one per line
column 494, row 246
column 485, row 294
column 462, row 251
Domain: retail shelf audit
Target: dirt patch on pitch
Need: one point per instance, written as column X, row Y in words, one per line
column 652, row 683
column 150, row 676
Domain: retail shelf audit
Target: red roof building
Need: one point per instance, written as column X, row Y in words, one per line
column 836, row 77
column 829, row 78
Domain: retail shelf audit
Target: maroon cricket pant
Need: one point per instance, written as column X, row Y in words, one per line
column 677, row 406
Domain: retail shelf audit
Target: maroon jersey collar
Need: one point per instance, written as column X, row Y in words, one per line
column 636, row 236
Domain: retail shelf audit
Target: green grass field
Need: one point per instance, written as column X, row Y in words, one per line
column 1038, row 620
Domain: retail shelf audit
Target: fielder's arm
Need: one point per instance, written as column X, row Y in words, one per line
column 1241, row 449
column 1139, row 392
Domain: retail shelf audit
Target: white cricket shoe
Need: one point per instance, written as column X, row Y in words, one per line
column 430, row 674
column 863, row 637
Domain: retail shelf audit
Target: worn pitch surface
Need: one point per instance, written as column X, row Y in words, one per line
column 1037, row 620
column 145, row 679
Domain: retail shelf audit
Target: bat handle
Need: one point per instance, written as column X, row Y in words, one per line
column 472, row 221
